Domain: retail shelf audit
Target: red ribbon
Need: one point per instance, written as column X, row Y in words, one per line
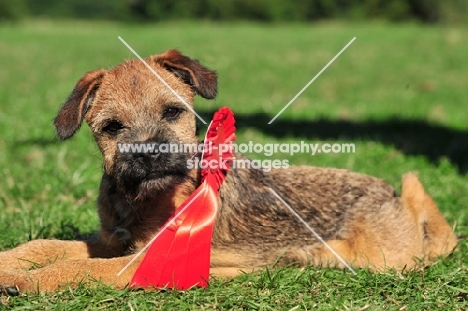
column 180, row 257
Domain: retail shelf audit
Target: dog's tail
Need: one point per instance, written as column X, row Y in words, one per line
column 439, row 239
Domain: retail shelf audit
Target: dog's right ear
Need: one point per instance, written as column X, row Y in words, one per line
column 71, row 115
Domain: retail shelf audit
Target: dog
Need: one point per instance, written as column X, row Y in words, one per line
column 361, row 217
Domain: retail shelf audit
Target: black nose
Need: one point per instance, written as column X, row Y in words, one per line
column 146, row 157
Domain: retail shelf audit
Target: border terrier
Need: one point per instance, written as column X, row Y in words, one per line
column 361, row 217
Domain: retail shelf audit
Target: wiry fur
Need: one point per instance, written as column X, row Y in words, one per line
column 360, row 216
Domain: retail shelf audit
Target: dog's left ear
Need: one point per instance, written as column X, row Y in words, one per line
column 200, row 78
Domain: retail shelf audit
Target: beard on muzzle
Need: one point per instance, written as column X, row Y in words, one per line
column 140, row 176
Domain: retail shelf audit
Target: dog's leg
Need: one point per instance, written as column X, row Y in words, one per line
column 41, row 253
column 438, row 236
column 70, row 273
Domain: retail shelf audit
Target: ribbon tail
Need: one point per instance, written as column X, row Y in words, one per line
column 199, row 245
column 150, row 269
column 155, row 268
column 174, row 272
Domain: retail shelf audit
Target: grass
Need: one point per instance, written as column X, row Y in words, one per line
column 398, row 93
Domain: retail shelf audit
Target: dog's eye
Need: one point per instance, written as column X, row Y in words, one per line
column 113, row 127
column 171, row 113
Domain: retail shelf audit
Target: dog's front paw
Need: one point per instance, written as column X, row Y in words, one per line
column 9, row 290
column 14, row 282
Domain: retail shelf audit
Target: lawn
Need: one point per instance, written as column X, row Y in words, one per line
column 398, row 93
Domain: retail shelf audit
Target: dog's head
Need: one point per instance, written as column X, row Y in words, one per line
column 129, row 109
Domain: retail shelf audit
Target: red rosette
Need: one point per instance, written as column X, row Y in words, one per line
column 218, row 147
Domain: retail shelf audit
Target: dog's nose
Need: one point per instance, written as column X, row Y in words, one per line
column 146, row 158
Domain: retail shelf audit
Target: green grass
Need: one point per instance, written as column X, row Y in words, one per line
column 398, row 93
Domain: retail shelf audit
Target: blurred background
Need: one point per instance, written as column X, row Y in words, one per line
column 427, row 11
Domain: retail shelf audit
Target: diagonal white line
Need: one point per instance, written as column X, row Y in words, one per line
column 167, row 225
column 310, row 82
column 162, row 80
column 313, row 231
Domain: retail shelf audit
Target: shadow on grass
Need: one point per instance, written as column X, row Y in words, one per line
column 412, row 137
column 67, row 231
column 41, row 142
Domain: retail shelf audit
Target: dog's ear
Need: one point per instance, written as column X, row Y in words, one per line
column 200, row 78
column 71, row 115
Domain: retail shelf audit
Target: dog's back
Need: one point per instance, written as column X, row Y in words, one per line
column 360, row 216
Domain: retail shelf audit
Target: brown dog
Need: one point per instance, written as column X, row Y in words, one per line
column 360, row 217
